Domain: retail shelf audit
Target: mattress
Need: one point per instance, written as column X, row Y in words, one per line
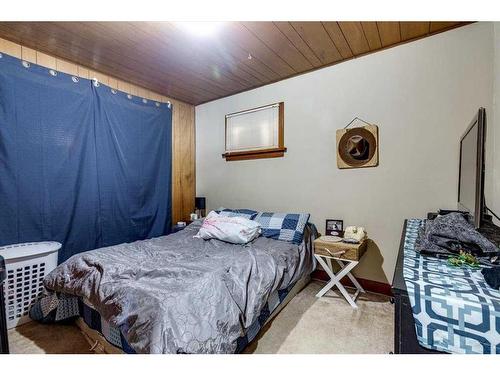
column 455, row 310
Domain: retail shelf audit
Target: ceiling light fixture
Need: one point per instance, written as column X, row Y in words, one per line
column 201, row 28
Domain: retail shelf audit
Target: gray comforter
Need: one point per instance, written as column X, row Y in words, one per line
column 179, row 294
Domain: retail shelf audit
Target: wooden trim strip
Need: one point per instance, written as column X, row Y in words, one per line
column 263, row 155
column 254, row 152
column 281, row 126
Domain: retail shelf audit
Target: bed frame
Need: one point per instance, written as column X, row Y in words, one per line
column 100, row 345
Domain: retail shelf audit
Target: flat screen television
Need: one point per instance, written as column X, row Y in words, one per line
column 471, row 170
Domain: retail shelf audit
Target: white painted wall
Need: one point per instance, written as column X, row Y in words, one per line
column 422, row 95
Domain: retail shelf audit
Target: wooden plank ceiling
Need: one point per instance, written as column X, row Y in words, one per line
column 164, row 57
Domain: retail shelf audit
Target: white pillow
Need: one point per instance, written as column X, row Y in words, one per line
column 237, row 230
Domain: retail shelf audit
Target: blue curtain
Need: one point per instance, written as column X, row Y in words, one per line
column 133, row 144
column 80, row 164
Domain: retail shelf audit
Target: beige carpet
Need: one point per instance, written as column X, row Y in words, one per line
column 306, row 325
column 34, row 338
column 329, row 325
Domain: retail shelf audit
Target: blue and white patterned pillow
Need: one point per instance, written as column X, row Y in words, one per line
column 241, row 212
column 283, row 226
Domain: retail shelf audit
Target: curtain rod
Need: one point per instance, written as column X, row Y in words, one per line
column 252, row 110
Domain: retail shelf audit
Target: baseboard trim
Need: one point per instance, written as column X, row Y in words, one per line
column 368, row 285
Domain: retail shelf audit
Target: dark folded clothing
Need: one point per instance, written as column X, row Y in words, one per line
column 492, row 276
column 450, row 234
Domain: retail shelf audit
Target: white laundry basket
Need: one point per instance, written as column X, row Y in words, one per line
column 26, row 265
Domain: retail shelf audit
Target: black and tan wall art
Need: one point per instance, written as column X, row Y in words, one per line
column 357, row 147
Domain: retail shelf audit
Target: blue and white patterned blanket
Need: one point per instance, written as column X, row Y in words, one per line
column 455, row 310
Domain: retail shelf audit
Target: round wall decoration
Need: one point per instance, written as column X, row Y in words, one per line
column 357, row 147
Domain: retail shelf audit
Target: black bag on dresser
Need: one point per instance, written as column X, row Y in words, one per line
column 449, row 234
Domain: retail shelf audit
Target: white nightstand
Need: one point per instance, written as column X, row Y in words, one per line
column 347, row 257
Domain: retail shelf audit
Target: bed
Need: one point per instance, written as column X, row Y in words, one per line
column 176, row 293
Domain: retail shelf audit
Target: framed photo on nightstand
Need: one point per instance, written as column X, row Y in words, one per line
column 334, row 227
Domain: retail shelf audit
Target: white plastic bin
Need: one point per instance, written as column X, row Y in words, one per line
column 26, row 265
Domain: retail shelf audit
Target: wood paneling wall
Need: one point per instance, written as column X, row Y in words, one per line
column 166, row 58
column 183, row 127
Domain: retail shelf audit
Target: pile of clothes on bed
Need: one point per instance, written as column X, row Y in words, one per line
column 451, row 235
